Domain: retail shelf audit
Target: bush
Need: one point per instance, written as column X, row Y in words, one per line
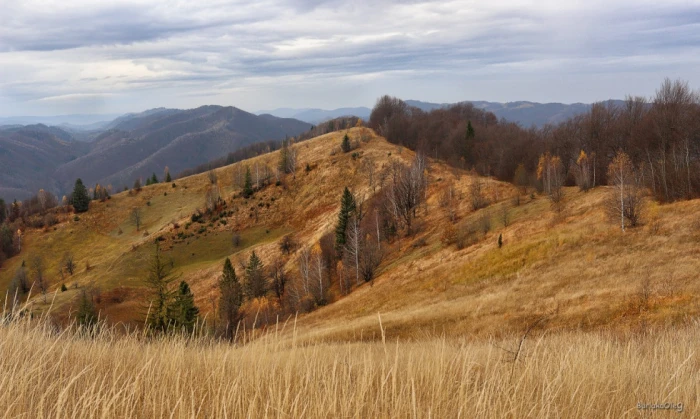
column 50, row 220
column 76, row 218
column 449, row 235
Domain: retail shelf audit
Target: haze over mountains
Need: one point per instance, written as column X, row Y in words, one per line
column 130, row 147
column 523, row 112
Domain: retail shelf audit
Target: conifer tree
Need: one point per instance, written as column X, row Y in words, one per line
column 347, row 207
column 86, row 311
column 154, row 179
column 469, row 144
column 345, row 145
column 183, row 313
column 168, row 178
column 283, row 164
column 256, row 283
column 230, row 300
column 248, row 184
column 81, row 200
column 158, row 282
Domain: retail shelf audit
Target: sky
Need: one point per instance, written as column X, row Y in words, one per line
column 69, row 57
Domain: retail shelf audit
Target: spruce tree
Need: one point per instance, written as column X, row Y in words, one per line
column 230, row 300
column 86, row 311
column 256, row 283
column 167, row 177
column 81, row 200
column 345, row 145
column 347, row 207
column 158, row 282
column 248, row 184
column 469, row 144
column 183, row 313
column 154, row 179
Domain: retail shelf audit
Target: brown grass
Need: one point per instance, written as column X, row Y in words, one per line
column 44, row 373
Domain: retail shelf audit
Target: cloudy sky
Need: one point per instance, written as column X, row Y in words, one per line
column 62, row 57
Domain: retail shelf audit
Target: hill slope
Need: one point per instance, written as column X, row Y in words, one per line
column 576, row 268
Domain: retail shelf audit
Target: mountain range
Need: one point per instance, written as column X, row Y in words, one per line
column 129, row 147
column 523, row 112
column 51, row 152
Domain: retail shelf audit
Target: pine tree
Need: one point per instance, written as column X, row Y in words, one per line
column 469, row 144
column 158, row 282
column 154, row 179
column 183, row 313
column 167, row 177
column 81, row 200
column 347, row 207
column 86, row 311
column 283, row 164
column 230, row 300
column 256, row 283
column 248, row 184
column 345, row 145
column 500, row 241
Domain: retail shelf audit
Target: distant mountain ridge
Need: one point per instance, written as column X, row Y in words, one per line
column 524, row 113
column 72, row 121
column 131, row 146
column 317, row 116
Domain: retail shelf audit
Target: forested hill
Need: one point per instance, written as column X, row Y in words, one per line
column 131, row 147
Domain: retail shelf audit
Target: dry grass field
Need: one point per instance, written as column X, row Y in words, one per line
column 50, row 374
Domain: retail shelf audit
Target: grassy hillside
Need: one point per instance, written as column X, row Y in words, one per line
column 575, row 268
column 599, row 320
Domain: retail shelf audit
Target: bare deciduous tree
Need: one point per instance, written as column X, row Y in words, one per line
column 405, row 189
column 212, row 197
column 627, row 198
column 213, row 178
column 476, row 194
column 36, row 267
column 69, row 262
column 135, row 218
column 550, row 171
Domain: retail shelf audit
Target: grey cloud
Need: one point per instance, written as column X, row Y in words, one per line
column 192, row 50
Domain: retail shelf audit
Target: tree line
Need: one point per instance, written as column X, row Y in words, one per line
column 661, row 137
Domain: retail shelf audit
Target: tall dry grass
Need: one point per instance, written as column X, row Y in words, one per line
column 45, row 372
